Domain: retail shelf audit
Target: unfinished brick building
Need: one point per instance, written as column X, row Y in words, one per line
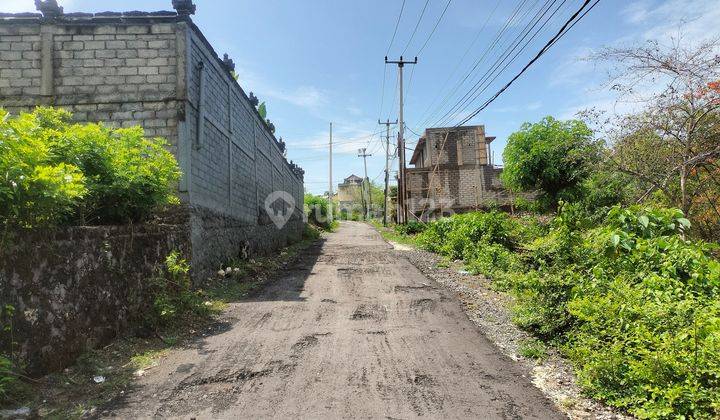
column 452, row 172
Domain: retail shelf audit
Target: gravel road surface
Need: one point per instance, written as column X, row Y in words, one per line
column 351, row 329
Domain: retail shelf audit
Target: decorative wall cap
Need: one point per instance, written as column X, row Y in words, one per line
column 49, row 8
column 229, row 63
column 184, row 7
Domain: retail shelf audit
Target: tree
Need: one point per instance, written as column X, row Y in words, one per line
column 671, row 145
column 551, row 156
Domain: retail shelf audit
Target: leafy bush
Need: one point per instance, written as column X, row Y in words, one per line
column 457, row 235
column 410, row 228
column 490, row 259
column 316, row 209
column 172, row 296
column 631, row 302
column 55, row 172
column 551, row 156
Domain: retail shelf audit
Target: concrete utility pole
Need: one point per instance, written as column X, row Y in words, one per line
column 368, row 202
column 402, row 188
column 386, row 217
column 330, row 182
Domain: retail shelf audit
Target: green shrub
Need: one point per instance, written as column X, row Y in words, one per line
column 532, row 349
column 34, row 189
column 55, row 172
column 632, row 303
column 411, row 228
column 316, row 209
column 457, row 235
column 172, row 296
column 542, row 302
column 490, row 259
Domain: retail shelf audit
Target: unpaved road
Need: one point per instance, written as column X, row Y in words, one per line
column 351, row 329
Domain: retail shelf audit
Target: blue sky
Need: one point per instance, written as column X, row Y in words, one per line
column 321, row 61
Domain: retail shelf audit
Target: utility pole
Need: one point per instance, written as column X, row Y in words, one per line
column 330, row 182
column 402, row 188
column 368, row 203
column 387, row 124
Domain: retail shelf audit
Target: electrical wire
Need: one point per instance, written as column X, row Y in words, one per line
column 495, row 69
column 416, row 28
column 498, row 36
column 434, row 28
column 462, row 59
column 569, row 24
column 397, row 24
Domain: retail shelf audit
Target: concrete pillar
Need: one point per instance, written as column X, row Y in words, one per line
column 47, row 76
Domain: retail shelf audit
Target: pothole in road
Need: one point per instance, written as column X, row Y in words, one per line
column 422, row 305
column 306, row 342
column 408, row 289
column 369, row 311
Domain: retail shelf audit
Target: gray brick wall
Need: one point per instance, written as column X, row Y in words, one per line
column 120, row 74
column 146, row 71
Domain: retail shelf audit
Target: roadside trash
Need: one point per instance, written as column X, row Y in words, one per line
column 463, row 272
column 139, row 373
column 21, row 412
column 221, row 273
column 99, row 379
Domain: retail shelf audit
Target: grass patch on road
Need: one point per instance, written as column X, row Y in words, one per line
column 390, row 234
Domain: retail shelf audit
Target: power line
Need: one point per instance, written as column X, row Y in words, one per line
column 457, row 67
column 569, row 24
column 397, row 24
column 490, row 47
column 323, row 145
column 416, row 27
column 473, row 93
column 434, row 28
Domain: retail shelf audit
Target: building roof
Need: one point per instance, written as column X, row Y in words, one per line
column 418, row 148
column 353, row 178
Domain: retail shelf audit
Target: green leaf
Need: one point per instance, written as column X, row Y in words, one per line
column 685, row 223
column 262, row 110
column 644, row 221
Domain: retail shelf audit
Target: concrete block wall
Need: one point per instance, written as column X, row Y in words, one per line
column 120, row 74
column 157, row 70
column 235, row 164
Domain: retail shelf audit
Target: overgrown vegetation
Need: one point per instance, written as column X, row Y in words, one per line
column 174, row 302
column 54, row 172
column 317, row 212
column 617, row 263
column 632, row 302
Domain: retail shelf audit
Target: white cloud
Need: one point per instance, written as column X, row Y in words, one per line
column 636, row 12
column 574, row 69
column 308, row 97
column 694, row 20
column 303, row 96
column 532, row 106
column 346, row 140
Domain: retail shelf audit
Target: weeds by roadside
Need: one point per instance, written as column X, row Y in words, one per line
column 628, row 300
column 395, row 233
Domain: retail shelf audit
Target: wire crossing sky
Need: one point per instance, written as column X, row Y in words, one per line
column 320, row 61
